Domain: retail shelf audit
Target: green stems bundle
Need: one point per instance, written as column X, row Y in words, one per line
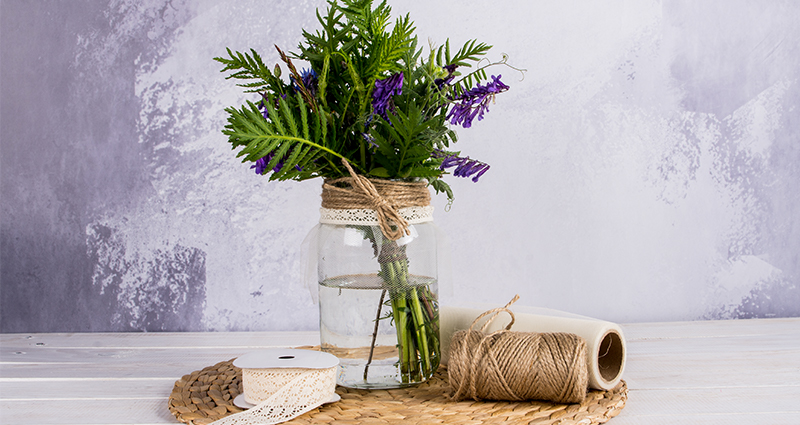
column 415, row 314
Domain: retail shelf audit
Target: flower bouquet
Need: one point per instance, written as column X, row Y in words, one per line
column 369, row 108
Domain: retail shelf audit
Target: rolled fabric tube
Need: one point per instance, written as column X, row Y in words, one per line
column 606, row 348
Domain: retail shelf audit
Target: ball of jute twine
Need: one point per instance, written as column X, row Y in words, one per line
column 386, row 197
column 506, row 365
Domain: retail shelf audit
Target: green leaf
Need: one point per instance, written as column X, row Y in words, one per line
column 380, row 172
column 440, row 186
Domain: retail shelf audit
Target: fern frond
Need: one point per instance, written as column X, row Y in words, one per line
column 471, row 51
column 290, row 143
column 249, row 66
column 289, row 117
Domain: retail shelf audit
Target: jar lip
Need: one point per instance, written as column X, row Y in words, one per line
column 369, row 217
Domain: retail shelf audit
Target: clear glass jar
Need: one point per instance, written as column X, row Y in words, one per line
column 378, row 302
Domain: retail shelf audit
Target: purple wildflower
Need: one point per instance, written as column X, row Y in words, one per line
column 475, row 102
column 369, row 139
column 309, row 79
column 465, row 167
column 262, row 163
column 384, row 90
column 263, row 106
column 440, row 82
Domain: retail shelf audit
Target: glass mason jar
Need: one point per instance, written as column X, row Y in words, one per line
column 378, row 303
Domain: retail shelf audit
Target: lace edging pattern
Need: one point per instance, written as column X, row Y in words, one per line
column 368, row 217
column 295, row 393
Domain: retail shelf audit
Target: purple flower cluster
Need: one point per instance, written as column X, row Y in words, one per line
column 263, row 106
column 262, row 163
column 440, row 82
column 369, row 139
column 384, row 90
column 475, row 102
column 465, row 167
column 309, row 79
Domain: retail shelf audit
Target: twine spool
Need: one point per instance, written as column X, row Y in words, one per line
column 386, row 197
column 605, row 341
column 517, row 366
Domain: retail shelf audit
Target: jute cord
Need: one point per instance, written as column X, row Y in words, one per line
column 386, row 197
column 506, row 365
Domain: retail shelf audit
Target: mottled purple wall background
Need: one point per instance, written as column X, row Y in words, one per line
column 645, row 169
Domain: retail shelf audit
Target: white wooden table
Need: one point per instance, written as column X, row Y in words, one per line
column 710, row 372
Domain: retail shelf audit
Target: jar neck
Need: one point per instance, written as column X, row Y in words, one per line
column 369, row 217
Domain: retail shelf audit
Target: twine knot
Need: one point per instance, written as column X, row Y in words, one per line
column 384, row 196
column 506, row 365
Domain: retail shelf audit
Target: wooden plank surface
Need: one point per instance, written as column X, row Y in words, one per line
column 713, row 372
column 145, row 340
column 726, row 372
column 123, row 378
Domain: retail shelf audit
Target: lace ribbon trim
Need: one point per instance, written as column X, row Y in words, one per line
column 282, row 394
column 369, row 217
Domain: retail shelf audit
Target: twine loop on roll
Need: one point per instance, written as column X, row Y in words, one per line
column 506, row 365
column 386, row 197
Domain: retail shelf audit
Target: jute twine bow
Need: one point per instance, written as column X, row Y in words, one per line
column 516, row 366
column 386, row 197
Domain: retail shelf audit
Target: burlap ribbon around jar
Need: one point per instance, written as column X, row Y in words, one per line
column 385, row 197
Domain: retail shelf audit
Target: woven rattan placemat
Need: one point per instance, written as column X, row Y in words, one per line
column 206, row 395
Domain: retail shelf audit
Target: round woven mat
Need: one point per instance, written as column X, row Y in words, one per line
column 207, row 395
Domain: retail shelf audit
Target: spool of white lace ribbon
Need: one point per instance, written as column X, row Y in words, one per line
column 282, row 384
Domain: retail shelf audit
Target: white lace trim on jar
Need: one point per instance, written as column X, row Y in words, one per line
column 368, row 217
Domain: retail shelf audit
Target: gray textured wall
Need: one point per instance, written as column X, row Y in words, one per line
column 646, row 168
